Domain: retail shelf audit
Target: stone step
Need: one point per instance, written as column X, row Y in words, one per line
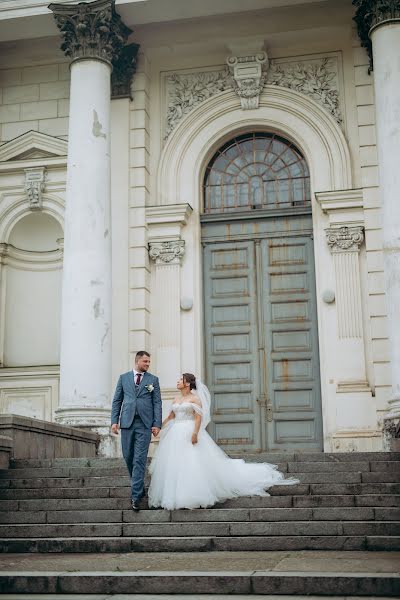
column 201, row 515
column 209, row 528
column 194, row 582
column 198, row 544
column 77, row 504
column 123, row 480
column 271, row 457
column 120, row 469
column 331, row 489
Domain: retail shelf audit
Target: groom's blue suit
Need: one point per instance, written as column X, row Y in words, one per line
column 137, row 409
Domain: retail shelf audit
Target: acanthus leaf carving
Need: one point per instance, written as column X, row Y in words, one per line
column 90, row 29
column 316, row 78
column 369, row 14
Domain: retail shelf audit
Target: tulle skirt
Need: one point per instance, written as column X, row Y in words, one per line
column 184, row 475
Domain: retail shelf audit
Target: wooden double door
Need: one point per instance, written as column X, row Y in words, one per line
column 261, row 335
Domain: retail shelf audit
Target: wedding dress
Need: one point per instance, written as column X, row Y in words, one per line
column 186, row 475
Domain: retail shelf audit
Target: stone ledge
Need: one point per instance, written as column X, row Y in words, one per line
column 32, row 438
column 6, row 445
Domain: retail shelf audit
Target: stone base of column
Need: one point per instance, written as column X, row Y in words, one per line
column 356, row 419
column 391, row 427
column 96, row 420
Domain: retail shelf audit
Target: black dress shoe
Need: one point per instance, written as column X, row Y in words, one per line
column 135, row 505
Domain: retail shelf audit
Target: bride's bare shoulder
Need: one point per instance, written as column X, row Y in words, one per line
column 194, row 399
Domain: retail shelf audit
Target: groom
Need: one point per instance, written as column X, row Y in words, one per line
column 136, row 410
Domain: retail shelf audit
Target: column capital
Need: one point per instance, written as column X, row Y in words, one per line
column 371, row 14
column 124, row 68
column 91, row 30
column 167, row 253
column 344, row 239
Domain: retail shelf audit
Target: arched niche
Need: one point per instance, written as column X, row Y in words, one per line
column 31, row 285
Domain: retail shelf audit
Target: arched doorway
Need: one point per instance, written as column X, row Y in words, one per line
column 260, row 318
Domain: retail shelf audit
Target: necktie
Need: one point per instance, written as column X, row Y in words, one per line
column 138, row 378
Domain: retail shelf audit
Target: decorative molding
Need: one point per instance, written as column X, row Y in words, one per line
column 31, row 144
column 91, row 30
column 34, row 186
column 124, row 68
column 170, row 213
column 188, row 91
column 371, row 14
column 248, row 77
column 345, row 239
column 27, row 260
column 170, row 252
column 317, row 78
column 340, row 200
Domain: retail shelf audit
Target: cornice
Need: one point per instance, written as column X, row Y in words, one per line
column 171, row 213
column 340, row 200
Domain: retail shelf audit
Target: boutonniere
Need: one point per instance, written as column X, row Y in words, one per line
column 149, row 387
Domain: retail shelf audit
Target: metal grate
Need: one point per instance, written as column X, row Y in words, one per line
column 256, row 171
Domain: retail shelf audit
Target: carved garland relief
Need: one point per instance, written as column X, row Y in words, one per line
column 317, row 78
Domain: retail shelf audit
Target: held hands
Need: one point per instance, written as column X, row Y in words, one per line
column 115, row 428
column 194, row 438
column 155, row 431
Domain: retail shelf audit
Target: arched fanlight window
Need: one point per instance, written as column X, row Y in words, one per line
column 256, row 171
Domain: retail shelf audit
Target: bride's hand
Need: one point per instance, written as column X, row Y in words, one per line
column 194, row 438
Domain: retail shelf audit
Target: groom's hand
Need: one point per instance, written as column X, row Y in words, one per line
column 115, row 428
column 155, row 431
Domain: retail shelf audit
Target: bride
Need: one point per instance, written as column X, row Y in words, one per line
column 189, row 470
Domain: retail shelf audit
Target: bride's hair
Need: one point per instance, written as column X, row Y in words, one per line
column 190, row 378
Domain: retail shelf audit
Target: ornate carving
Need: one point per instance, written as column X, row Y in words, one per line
column 124, row 67
column 167, row 252
column 34, row 186
column 344, row 239
column 248, row 77
column 314, row 78
column 369, row 14
column 187, row 91
column 317, row 78
column 91, row 29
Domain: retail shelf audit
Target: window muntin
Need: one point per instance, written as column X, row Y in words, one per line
column 256, row 171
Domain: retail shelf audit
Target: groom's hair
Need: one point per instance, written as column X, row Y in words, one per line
column 141, row 353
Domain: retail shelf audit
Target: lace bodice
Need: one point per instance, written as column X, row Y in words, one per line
column 183, row 411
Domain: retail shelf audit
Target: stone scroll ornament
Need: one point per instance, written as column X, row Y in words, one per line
column 95, row 30
column 340, row 239
column 167, row 252
column 316, row 78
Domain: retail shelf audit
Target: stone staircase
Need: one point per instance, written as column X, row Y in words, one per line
column 345, row 502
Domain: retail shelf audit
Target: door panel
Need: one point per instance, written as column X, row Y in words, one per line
column 260, row 310
column 290, row 326
column 231, row 343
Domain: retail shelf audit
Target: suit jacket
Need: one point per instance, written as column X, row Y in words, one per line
column 129, row 399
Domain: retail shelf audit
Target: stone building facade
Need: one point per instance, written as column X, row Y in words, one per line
column 219, row 187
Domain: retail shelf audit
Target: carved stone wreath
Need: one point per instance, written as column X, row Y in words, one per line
column 317, row 78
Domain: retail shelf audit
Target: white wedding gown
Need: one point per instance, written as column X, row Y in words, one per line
column 186, row 475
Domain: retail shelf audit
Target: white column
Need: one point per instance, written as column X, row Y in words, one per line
column 85, row 370
column 386, row 53
column 94, row 38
